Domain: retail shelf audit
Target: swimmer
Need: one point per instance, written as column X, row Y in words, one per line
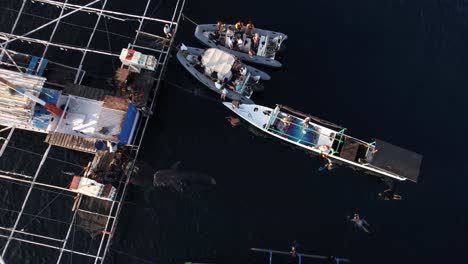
column 360, row 223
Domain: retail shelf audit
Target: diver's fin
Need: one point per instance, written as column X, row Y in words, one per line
column 176, row 165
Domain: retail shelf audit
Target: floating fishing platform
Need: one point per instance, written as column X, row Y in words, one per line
column 49, row 107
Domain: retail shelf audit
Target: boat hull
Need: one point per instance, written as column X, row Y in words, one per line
column 257, row 116
column 182, row 57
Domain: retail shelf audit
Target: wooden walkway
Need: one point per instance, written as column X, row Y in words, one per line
column 101, row 161
column 72, row 142
column 88, row 92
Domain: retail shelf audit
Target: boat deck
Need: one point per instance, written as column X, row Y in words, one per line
column 294, row 129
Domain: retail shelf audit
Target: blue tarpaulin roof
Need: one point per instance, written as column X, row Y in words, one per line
column 41, row 118
column 130, row 119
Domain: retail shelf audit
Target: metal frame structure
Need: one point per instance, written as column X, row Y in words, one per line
column 62, row 244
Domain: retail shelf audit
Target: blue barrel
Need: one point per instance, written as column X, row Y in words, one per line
column 100, row 145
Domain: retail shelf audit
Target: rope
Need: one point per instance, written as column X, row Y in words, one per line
column 37, row 188
column 190, row 20
column 109, row 43
column 42, row 210
column 192, row 91
column 37, row 154
column 152, row 13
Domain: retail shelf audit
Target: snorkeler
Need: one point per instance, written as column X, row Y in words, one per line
column 293, row 251
column 360, row 223
column 389, row 195
column 234, row 121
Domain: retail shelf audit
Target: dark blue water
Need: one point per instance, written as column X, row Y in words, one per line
column 393, row 70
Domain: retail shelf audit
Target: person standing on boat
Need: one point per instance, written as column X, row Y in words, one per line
column 285, row 123
column 306, row 125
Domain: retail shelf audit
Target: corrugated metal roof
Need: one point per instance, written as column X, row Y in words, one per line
column 15, row 109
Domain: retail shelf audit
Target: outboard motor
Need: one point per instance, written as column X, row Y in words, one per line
column 258, row 87
column 280, row 53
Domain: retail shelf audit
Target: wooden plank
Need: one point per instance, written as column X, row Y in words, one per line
column 116, row 103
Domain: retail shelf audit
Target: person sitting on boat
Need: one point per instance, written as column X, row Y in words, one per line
column 239, row 26
column 230, row 84
column 360, row 223
column 389, row 195
column 168, row 31
column 236, row 66
column 219, row 85
column 256, row 41
column 240, row 42
column 229, row 32
column 236, row 104
column 249, row 28
column 220, row 27
column 251, row 52
column 215, row 36
column 230, row 42
column 238, row 86
column 224, row 93
column 243, row 71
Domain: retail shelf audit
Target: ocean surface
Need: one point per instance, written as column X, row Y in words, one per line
column 393, row 70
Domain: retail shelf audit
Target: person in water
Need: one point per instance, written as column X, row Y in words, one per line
column 325, row 151
column 293, row 251
column 360, row 223
column 234, row 121
column 389, row 195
